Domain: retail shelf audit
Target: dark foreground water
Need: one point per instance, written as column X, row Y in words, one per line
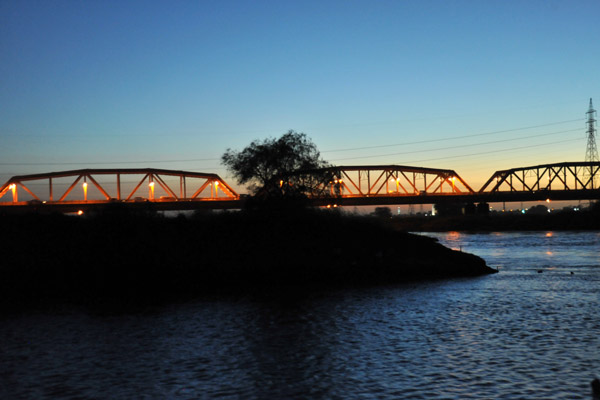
column 518, row 334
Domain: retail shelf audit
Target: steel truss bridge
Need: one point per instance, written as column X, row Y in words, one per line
column 87, row 189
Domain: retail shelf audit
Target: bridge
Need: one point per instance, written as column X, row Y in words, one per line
column 166, row 189
column 392, row 184
column 87, row 189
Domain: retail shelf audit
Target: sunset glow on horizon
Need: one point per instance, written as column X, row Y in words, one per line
column 470, row 86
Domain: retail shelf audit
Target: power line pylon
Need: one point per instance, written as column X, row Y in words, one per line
column 591, row 153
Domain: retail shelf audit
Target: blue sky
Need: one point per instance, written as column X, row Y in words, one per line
column 474, row 86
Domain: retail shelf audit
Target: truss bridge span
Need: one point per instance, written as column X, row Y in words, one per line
column 365, row 185
column 84, row 189
column 393, row 184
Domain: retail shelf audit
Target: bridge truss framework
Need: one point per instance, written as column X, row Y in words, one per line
column 352, row 186
column 193, row 186
column 565, row 176
column 395, row 180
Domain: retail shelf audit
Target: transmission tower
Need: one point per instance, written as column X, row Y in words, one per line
column 591, row 153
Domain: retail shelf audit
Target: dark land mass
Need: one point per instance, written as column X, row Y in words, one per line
column 122, row 257
column 498, row 222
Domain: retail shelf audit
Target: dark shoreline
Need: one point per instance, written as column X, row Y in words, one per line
column 499, row 222
column 121, row 257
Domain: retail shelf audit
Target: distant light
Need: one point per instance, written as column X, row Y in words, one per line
column 80, row 212
column 547, row 200
column 522, row 211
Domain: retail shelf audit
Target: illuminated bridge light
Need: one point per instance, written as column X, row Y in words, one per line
column 13, row 187
column 85, row 191
column 151, row 187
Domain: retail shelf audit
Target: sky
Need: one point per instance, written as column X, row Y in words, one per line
column 473, row 86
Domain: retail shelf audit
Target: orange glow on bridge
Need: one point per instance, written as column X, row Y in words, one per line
column 349, row 186
column 106, row 185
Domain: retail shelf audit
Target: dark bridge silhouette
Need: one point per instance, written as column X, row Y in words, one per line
column 85, row 189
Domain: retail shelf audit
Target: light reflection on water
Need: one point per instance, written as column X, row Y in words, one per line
column 517, row 334
column 517, row 250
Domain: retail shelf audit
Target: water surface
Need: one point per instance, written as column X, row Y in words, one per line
column 518, row 334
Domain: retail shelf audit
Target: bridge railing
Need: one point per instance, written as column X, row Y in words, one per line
column 128, row 185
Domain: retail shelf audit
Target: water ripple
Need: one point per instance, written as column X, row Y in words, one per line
column 518, row 334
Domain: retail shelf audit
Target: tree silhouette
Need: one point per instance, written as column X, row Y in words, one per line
column 286, row 168
column 382, row 212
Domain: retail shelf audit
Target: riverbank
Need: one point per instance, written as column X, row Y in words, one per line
column 126, row 257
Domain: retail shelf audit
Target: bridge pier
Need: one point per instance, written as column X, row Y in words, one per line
column 470, row 209
column 483, row 208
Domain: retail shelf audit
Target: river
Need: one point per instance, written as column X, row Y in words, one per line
column 531, row 331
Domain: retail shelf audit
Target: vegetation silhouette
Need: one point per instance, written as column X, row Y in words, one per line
column 382, row 212
column 118, row 256
column 280, row 172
